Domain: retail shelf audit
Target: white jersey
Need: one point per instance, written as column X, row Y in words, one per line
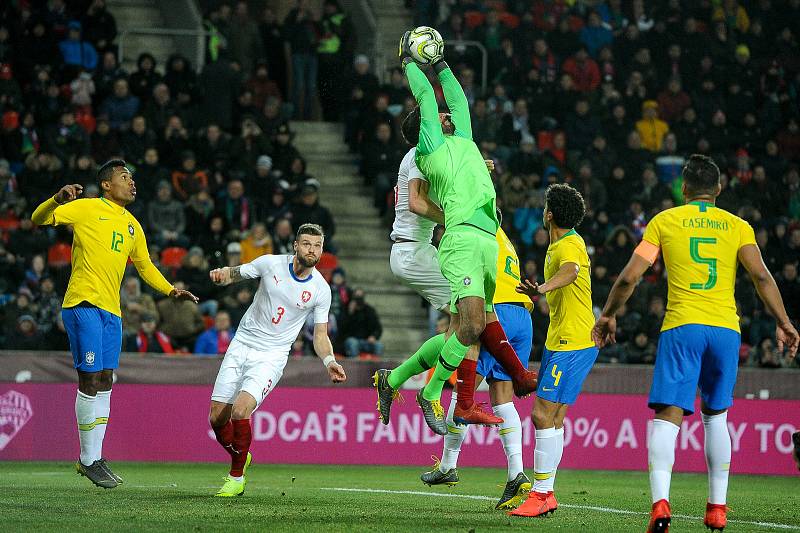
column 281, row 304
column 407, row 225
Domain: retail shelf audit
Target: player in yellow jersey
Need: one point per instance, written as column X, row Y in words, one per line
column 513, row 311
column 569, row 351
column 701, row 246
column 105, row 236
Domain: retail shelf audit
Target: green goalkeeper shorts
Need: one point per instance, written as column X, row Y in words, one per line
column 468, row 260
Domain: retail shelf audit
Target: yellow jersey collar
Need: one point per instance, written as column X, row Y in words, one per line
column 567, row 234
column 113, row 206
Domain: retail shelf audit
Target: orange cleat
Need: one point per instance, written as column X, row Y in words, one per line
column 475, row 415
column 660, row 517
column 527, row 385
column 716, row 516
column 537, row 504
column 551, row 501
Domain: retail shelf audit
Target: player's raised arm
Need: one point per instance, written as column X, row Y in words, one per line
column 45, row 214
column 456, row 100
column 430, row 130
column 228, row 275
column 785, row 333
column 420, row 203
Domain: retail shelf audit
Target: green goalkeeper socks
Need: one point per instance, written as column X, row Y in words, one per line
column 452, row 355
column 424, row 359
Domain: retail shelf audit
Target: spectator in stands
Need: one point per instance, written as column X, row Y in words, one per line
column 584, row 71
column 236, row 207
column 245, row 42
column 233, row 254
column 199, row 209
column 149, row 174
column 180, row 320
column 100, row 27
column 362, row 86
column 651, row 128
column 340, row 293
column 48, row 304
column 121, row 106
column 188, row 180
column 42, row 171
column 66, row 139
column 145, row 77
column 262, row 86
column 238, row 305
column 640, row 350
column 28, row 240
column 335, row 44
column 283, row 151
column 104, row 141
column 309, row 211
column 249, row 145
column 257, row 243
column 166, row 218
column 135, row 304
column 302, row 36
column 26, row 335
column 76, row 52
column 148, row 338
column 215, row 340
column 219, row 84
column 380, row 159
column 160, row 107
column 272, row 38
column 595, row 35
column 283, row 237
column 360, row 327
column 213, row 148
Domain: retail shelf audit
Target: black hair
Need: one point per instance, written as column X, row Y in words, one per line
column 411, row 126
column 566, row 204
column 701, row 176
column 310, row 229
column 105, row 172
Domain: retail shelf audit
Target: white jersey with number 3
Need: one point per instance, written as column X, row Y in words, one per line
column 281, row 304
column 407, row 225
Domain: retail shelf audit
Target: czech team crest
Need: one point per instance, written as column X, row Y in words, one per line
column 306, row 296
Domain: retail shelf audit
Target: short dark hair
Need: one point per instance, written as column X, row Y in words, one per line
column 105, row 172
column 411, row 125
column 701, row 175
column 310, row 229
column 566, row 204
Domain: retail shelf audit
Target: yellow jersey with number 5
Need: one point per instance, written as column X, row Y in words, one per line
column 508, row 274
column 700, row 244
column 105, row 235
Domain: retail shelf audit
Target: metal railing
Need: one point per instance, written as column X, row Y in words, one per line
column 200, row 36
column 484, row 58
column 376, row 57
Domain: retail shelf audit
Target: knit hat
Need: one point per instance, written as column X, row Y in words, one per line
column 264, row 161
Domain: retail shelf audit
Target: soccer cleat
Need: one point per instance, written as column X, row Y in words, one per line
column 386, row 394
column 247, row 463
column 515, row 491
column 437, row 477
column 231, row 487
column 104, row 464
column 434, row 414
column 96, row 474
column 716, row 516
column 535, row 505
column 527, row 385
column 660, row 517
column 551, row 501
column 475, row 415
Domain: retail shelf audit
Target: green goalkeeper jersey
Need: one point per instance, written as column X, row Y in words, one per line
column 453, row 164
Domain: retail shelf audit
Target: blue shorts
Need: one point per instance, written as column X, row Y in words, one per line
column 95, row 337
column 516, row 322
column 562, row 374
column 693, row 355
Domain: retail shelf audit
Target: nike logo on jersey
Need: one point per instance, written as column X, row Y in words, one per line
column 545, row 389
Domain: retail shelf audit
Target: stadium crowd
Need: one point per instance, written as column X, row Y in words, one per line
column 609, row 96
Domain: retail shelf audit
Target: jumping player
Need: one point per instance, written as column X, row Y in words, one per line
column 569, row 351
column 699, row 344
column 290, row 289
column 105, row 236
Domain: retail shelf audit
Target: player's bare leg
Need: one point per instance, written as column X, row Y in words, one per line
column 90, row 464
column 231, row 424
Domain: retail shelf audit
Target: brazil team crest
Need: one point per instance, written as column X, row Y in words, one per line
column 15, row 411
column 130, row 229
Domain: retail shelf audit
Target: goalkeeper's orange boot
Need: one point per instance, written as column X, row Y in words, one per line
column 535, row 505
column 660, row 517
column 716, row 516
column 475, row 415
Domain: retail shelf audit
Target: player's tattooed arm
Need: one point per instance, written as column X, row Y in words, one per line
column 235, row 274
column 226, row 275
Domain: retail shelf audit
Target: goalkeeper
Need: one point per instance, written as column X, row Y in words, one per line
column 459, row 178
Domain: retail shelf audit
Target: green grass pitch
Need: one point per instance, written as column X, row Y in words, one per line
column 178, row 497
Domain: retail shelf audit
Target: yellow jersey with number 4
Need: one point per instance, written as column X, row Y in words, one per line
column 105, row 235
column 508, row 274
column 700, row 244
column 571, row 317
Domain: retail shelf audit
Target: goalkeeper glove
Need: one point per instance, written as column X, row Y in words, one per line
column 404, row 50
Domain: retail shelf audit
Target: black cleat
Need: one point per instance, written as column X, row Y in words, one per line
column 434, row 414
column 96, row 474
column 436, row 477
column 104, row 464
column 515, row 492
column 386, row 394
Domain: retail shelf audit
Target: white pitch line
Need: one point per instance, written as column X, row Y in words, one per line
column 566, row 505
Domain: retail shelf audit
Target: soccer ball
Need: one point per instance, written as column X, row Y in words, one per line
column 426, row 45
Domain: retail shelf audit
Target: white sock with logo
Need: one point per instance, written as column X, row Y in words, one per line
column 718, row 456
column 85, row 415
column 550, row 482
column 511, row 436
column 661, row 456
column 544, row 459
column 102, row 408
column 453, row 440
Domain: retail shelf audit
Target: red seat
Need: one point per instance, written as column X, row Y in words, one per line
column 171, row 257
column 59, row 255
column 327, row 264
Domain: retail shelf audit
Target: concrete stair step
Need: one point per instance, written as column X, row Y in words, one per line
column 301, row 126
column 138, row 16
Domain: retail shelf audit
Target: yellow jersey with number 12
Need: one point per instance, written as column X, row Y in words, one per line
column 700, row 245
column 571, row 317
column 508, row 274
column 104, row 236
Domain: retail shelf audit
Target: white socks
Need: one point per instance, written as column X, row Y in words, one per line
column 92, row 413
column 511, row 435
column 718, row 456
column 102, row 408
column 85, row 415
column 549, row 447
column 661, row 456
column 452, row 441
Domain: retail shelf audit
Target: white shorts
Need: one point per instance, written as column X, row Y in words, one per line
column 249, row 370
column 417, row 266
